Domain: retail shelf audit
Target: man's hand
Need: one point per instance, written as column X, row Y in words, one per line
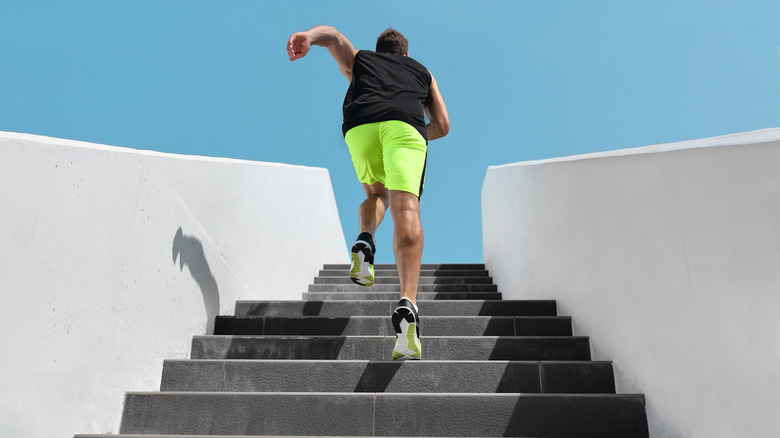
column 298, row 45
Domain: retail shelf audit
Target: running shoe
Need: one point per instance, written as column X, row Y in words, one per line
column 362, row 271
column 406, row 323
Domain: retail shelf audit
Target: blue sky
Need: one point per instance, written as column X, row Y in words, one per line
column 522, row 80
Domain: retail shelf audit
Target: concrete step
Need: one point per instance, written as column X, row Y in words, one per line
column 395, row 296
column 352, row 287
column 380, row 347
column 385, row 414
column 388, row 376
column 423, row 267
column 333, row 308
column 121, row 435
column 395, row 280
column 382, row 326
column 423, row 273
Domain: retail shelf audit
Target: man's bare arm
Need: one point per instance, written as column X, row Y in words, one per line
column 436, row 111
column 326, row 36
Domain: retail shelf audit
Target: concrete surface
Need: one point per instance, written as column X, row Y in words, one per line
column 668, row 256
column 371, row 296
column 112, row 258
column 384, row 308
column 385, row 414
column 382, row 326
column 388, row 376
column 379, row 347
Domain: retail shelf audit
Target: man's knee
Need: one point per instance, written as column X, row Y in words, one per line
column 379, row 197
column 405, row 208
column 377, row 191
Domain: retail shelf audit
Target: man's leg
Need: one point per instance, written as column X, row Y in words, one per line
column 407, row 240
column 372, row 210
column 407, row 245
column 370, row 215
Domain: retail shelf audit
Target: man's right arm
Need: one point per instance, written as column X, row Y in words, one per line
column 436, row 110
column 326, row 36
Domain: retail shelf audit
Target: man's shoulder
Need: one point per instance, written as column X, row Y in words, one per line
column 370, row 55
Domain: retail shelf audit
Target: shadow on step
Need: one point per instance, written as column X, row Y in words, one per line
column 377, row 376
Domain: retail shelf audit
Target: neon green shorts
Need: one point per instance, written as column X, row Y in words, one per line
column 392, row 152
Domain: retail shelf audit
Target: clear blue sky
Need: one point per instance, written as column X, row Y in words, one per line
column 522, row 80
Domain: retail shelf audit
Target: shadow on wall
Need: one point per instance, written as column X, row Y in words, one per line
column 189, row 251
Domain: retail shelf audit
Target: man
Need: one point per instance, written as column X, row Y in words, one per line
column 384, row 127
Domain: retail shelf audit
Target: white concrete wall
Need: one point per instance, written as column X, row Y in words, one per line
column 111, row 259
column 669, row 258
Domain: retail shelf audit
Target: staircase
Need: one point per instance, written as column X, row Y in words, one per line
column 321, row 367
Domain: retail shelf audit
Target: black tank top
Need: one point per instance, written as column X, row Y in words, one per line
column 386, row 87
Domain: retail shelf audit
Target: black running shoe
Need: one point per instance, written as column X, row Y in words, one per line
column 406, row 323
column 362, row 271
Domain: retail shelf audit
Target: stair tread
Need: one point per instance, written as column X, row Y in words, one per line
column 378, row 413
column 344, row 272
column 381, row 325
column 389, row 376
column 442, row 296
column 395, row 280
column 423, row 266
column 352, row 287
column 406, row 363
column 379, row 347
column 378, row 394
column 385, row 307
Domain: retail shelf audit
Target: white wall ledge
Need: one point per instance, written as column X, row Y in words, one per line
column 113, row 258
column 668, row 257
column 743, row 138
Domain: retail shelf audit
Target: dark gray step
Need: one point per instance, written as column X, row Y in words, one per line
column 385, row 414
column 395, row 296
column 382, row 326
column 352, row 287
column 395, row 280
column 388, row 376
column 423, row 273
column 385, row 307
column 380, row 347
column 423, row 267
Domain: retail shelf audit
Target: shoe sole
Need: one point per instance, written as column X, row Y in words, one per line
column 362, row 272
column 406, row 336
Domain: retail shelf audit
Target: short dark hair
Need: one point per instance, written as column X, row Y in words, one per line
column 392, row 41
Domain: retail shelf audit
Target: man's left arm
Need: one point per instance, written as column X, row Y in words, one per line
column 327, row 36
column 436, row 111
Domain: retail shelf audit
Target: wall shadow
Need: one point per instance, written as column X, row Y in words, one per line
column 189, row 251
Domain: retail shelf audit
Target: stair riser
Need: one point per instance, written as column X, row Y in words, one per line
column 423, row 267
column 385, row 414
column 422, row 280
column 385, row 376
column 342, row 308
column 392, row 273
column 325, row 296
column 382, row 326
column 380, row 348
column 352, row 287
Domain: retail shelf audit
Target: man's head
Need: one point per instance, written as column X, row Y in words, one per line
column 391, row 41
